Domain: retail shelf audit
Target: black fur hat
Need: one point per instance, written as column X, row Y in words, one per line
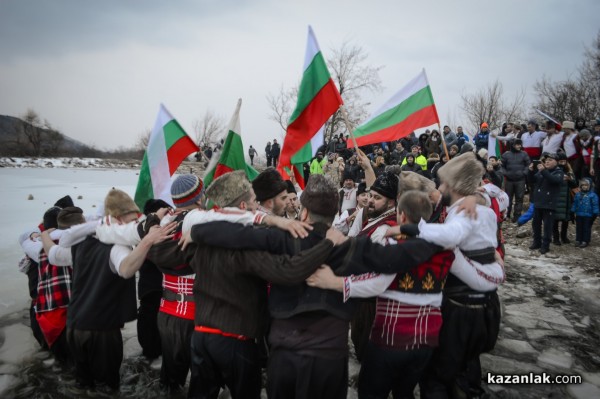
column 50, row 217
column 64, row 202
column 153, row 205
column 320, row 196
column 268, row 184
column 290, row 187
column 70, row 216
column 386, row 184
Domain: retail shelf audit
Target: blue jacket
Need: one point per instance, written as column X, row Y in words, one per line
column 481, row 140
column 527, row 216
column 585, row 204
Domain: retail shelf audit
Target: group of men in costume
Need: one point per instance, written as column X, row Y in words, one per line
column 254, row 281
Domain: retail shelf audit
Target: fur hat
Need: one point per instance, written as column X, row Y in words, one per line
column 347, row 175
column 290, row 187
column 118, row 203
column 186, row 190
column 568, row 125
column 386, row 184
column 466, row 147
column 462, row 173
column 483, row 153
column 153, row 205
column 584, row 134
column 320, row 196
column 50, row 216
column 64, row 202
column 70, row 216
column 414, row 181
column 518, row 142
column 362, row 188
column 224, row 190
column 268, row 184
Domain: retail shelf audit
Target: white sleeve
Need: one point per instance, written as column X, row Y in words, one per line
column 378, row 236
column 477, row 276
column 77, row 234
column 60, row 256
column 357, row 224
column 366, row 285
column 447, row 235
column 117, row 254
column 232, row 215
column 341, row 222
column 109, row 231
column 32, row 249
column 26, row 234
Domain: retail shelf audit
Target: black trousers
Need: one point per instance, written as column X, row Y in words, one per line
column 97, row 356
column 175, row 338
column 545, row 216
column 293, row 376
column 515, row 189
column 147, row 327
column 219, row 361
column 385, row 370
column 360, row 326
column 564, row 227
column 583, row 229
column 470, row 328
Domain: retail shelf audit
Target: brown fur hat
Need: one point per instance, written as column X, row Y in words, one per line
column 414, row 181
column 462, row 173
column 268, row 184
column 118, row 203
column 320, row 196
column 70, row 216
column 227, row 188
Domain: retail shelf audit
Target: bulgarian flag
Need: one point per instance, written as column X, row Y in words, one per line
column 318, row 99
column 494, row 147
column 232, row 154
column 168, row 146
column 409, row 109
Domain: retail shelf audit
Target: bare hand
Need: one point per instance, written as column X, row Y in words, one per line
column 335, row 236
column 592, row 172
column 363, row 160
column 540, row 166
column 499, row 259
column 296, row 228
column 325, row 279
column 392, row 231
column 469, row 206
column 162, row 212
column 160, row 234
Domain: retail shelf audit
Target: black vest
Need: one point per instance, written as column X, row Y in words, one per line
column 100, row 299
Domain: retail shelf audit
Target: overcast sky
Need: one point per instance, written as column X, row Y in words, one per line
column 98, row 70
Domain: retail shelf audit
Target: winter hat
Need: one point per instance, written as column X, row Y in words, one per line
column 585, row 180
column 118, row 203
column 70, row 216
column 320, row 196
column 386, row 184
column 362, row 188
column 462, row 173
column 268, row 184
column 484, row 124
column 568, row 125
column 290, row 187
column 466, row 147
column 434, row 156
column 518, row 142
column 153, row 205
column 226, row 189
column 584, row 134
column 552, row 155
column 414, row 181
column 482, row 153
column 186, row 190
column 561, row 156
column 64, row 202
column 347, row 175
column 50, row 216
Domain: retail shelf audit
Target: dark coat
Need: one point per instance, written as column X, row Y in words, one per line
column 547, row 188
column 563, row 204
column 515, row 165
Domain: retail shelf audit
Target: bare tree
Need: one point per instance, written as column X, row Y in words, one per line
column 353, row 77
column 208, row 128
column 31, row 129
column 489, row 105
column 53, row 142
column 142, row 140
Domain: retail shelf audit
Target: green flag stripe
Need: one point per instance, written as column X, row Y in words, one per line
column 313, row 79
column 173, row 132
column 304, row 155
column 421, row 99
column 144, row 190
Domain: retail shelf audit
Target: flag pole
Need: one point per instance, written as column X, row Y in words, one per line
column 438, row 119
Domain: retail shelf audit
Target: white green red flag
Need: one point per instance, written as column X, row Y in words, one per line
column 494, row 147
column 168, row 146
column 231, row 156
column 318, row 99
column 409, row 109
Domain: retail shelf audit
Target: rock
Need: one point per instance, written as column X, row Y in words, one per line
column 30, row 197
column 585, row 321
column 523, row 232
column 555, row 359
column 583, row 391
column 516, row 346
column 520, row 321
column 566, row 278
column 501, row 365
column 560, row 298
column 535, row 334
column 592, row 378
column 80, row 197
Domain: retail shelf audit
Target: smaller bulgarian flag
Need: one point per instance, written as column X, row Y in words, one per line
column 232, row 154
column 409, row 109
column 494, row 147
column 168, row 146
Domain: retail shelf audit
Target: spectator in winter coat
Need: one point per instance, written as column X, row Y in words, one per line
column 585, row 208
column 423, row 138
column 547, row 189
column 563, row 205
column 433, row 143
column 515, row 164
column 461, row 137
column 493, row 172
column 275, row 150
column 317, row 164
column 482, row 137
column 398, row 154
column 449, row 137
column 410, row 165
column 251, row 153
column 268, row 154
column 420, row 159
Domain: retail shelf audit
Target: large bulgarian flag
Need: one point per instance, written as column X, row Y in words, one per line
column 168, row 146
column 409, row 109
column 231, row 156
column 318, row 99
